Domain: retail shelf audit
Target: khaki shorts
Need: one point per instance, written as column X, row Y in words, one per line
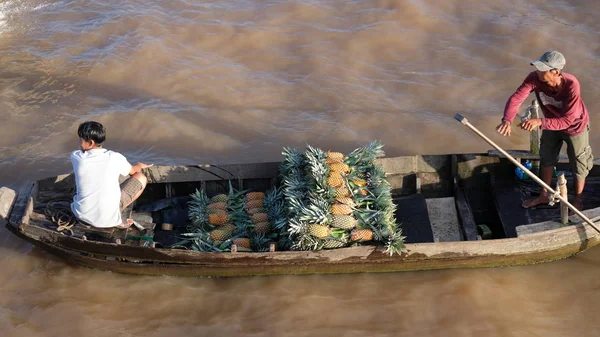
column 579, row 151
column 129, row 188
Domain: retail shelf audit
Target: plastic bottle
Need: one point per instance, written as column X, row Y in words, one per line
column 534, row 108
column 520, row 173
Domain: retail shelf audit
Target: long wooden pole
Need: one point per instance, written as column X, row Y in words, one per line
column 465, row 122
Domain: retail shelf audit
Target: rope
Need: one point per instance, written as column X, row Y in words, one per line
column 59, row 212
column 554, row 198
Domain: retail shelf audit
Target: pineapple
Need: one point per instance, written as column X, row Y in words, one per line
column 319, row 231
column 361, row 235
column 254, row 203
column 259, row 217
column 241, row 242
column 217, row 205
column 335, row 156
column 216, row 211
column 332, row 244
column 339, row 167
column 335, row 179
column 243, row 249
column 332, row 161
column 316, row 212
column 218, row 235
column 256, row 210
column 255, row 196
column 360, row 182
column 344, row 221
column 365, row 156
column 228, row 227
column 262, row 227
column 341, row 192
column 346, row 201
column 341, row 209
column 219, row 198
column 218, row 219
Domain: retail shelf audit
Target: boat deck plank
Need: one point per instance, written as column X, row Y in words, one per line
column 412, row 214
column 468, row 225
column 444, row 219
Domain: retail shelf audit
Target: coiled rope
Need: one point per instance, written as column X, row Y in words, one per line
column 59, row 212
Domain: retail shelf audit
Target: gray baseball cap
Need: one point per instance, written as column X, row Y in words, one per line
column 550, row 60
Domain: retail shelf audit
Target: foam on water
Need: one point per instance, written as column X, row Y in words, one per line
column 11, row 11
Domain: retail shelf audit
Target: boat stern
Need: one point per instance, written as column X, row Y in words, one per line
column 7, row 200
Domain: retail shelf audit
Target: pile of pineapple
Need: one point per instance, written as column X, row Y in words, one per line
column 336, row 201
column 325, row 200
column 250, row 220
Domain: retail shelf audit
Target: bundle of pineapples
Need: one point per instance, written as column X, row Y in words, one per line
column 246, row 219
column 337, row 201
column 268, row 217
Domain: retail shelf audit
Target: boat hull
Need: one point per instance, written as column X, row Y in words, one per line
column 529, row 249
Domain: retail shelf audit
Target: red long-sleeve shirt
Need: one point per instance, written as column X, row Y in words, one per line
column 563, row 110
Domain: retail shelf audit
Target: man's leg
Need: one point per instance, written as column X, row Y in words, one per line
column 139, row 176
column 581, row 161
column 550, row 145
column 579, row 186
column 132, row 188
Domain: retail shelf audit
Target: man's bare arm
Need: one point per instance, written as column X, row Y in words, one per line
column 138, row 168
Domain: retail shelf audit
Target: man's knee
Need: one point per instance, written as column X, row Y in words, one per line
column 139, row 176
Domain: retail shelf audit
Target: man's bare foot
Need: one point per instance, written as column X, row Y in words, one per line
column 541, row 200
column 126, row 224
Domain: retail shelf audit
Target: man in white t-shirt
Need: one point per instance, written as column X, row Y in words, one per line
column 100, row 199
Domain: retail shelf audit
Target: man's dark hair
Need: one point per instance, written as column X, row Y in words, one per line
column 92, row 131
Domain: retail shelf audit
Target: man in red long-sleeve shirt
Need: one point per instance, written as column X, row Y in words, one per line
column 566, row 119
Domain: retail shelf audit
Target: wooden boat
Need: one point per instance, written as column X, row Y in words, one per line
column 482, row 223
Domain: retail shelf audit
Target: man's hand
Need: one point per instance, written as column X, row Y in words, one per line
column 143, row 166
column 139, row 167
column 504, row 128
column 531, row 124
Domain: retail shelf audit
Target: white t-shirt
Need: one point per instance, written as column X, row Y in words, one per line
column 98, row 192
